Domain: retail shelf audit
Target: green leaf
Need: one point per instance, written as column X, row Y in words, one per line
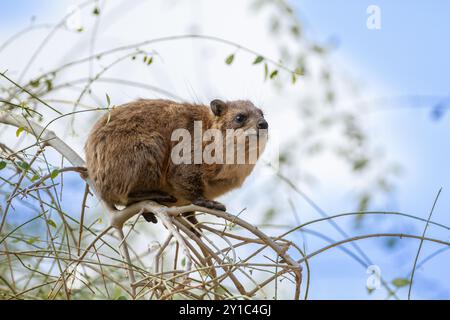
column 266, row 71
column 229, row 59
column 32, row 240
column 108, row 100
column 122, row 298
column 364, row 203
column 273, row 74
column 295, row 30
column 299, row 71
column 52, row 223
column 183, row 262
column 2, row 165
column 96, row 11
column 391, row 242
column 275, row 26
column 269, row 214
column 318, row 49
column 360, row 164
column 35, row 83
column 283, row 158
column 144, row 59
column 23, row 165
column 330, row 96
column 117, row 293
column 258, row 59
column 34, row 177
column 49, row 84
column 19, row 131
column 220, row 290
column 149, row 61
column 109, row 117
column 293, row 78
column 54, row 173
column 401, row 282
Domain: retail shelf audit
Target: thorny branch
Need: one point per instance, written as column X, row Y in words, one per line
column 197, row 264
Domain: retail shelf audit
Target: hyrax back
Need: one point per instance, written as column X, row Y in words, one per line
column 128, row 152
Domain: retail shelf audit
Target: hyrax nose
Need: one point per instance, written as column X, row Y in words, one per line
column 262, row 124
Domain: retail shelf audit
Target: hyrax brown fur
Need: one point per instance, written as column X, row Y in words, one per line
column 128, row 153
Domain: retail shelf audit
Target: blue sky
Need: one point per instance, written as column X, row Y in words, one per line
column 19, row 13
column 408, row 56
column 409, row 53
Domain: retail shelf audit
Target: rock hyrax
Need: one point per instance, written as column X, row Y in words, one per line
column 129, row 152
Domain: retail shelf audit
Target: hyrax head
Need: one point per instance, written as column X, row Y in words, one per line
column 239, row 114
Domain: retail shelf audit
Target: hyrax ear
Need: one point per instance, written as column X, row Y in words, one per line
column 218, row 107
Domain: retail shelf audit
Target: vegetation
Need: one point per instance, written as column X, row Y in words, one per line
column 55, row 242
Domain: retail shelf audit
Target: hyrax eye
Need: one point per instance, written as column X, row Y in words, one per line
column 240, row 118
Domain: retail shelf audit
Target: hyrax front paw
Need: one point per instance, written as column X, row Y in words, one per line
column 211, row 204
